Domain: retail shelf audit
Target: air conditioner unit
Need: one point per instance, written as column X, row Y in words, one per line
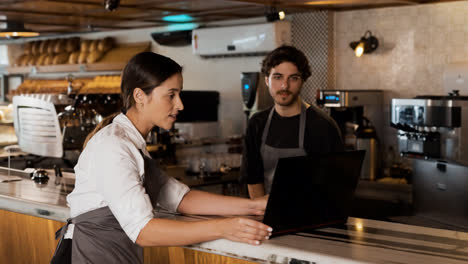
column 255, row 39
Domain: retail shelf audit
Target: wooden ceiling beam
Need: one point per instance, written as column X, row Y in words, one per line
column 10, row 2
column 76, row 16
column 143, row 8
column 69, row 23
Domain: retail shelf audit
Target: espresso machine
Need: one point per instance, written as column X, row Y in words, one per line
column 53, row 127
column 433, row 134
column 358, row 114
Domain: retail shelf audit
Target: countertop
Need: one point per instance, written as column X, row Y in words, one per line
column 359, row 241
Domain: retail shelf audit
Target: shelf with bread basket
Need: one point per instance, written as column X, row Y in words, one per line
column 114, row 59
column 99, row 84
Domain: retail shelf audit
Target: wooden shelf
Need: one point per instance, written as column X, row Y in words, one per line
column 114, row 60
column 71, row 68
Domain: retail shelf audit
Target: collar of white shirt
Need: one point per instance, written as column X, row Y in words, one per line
column 134, row 135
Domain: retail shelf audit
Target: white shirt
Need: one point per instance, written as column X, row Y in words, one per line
column 110, row 172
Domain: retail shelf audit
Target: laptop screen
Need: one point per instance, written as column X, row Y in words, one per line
column 312, row 191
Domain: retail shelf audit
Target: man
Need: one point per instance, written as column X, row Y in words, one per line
column 290, row 128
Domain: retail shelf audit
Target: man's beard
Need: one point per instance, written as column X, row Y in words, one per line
column 291, row 100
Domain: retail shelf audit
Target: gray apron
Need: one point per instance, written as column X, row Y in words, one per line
column 98, row 236
column 271, row 155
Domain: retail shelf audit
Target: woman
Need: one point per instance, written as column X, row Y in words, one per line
column 118, row 185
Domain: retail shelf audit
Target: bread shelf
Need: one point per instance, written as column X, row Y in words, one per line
column 67, row 68
column 113, row 60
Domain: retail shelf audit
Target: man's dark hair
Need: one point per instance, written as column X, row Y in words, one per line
column 287, row 54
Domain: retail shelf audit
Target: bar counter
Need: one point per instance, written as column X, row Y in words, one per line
column 31, row 213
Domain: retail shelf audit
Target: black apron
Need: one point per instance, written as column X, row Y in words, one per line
column 271, row 155
column 98, row 236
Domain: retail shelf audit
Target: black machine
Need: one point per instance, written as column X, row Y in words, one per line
column 255, row 93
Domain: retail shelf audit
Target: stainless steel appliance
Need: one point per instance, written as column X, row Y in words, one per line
column 433, row 133
column 356, row 112
column 432, row 127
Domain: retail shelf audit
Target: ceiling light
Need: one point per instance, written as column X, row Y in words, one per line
column 272, row 14
column 366, row 44
column 111, row 5
column 15, row 30
column 282, row 15
column 178, row 18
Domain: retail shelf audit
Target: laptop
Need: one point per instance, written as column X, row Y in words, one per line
column 314, row 191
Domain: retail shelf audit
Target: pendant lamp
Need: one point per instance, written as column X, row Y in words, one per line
column 15, row 30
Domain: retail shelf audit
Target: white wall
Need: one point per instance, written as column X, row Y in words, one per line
column 214, row 74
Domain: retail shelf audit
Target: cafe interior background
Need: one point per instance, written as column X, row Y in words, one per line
column 418, row 45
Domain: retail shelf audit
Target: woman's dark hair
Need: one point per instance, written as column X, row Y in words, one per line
column 287, row 54
column 146, row 70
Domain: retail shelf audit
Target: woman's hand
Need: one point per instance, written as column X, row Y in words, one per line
column 258, row 205
column 243, row 230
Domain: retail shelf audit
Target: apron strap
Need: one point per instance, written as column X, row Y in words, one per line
column 61, row 232
column 267, row 126
column 302, row 125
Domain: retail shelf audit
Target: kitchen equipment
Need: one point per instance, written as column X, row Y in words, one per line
column 255, row 94
column 433, row 134
column 36, row 125
column 76, row 123
column 432, row 127
column 439, row 192
column 359, row 115
column 40, row 176
column 367, row 140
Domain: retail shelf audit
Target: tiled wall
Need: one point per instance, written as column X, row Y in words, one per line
column 417, row 43
column 311, row 34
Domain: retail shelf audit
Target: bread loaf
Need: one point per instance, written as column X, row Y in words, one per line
column 94, row 56
column 35, row 47
column 25, row 60
column 73, row 44
column 32, row 59
column 41, row 59
column 49, row 59
column 106, row 44
column 83, row 57
column 51, row 46
column 60, row 46
column 20, row 59
column 27, row 47
column 60, row 58
column 84, row 47
column 43, row 47
column 93, row 46
column 73, row 58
